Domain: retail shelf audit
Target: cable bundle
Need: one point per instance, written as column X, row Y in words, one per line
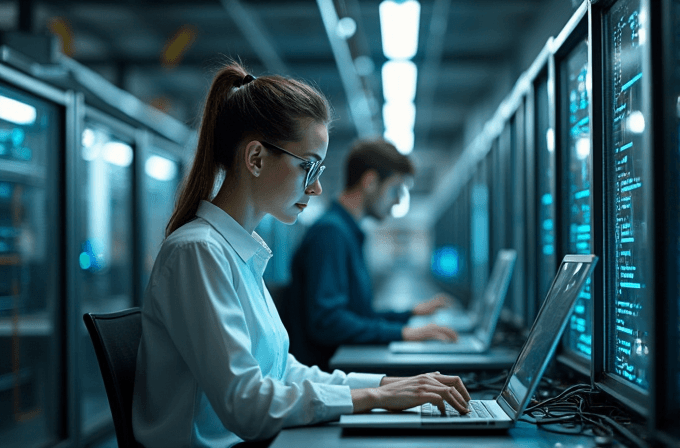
column 579, row 409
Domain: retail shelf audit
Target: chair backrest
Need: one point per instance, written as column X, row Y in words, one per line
column 115, row 337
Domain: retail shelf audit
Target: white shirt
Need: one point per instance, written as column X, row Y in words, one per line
column 213, row 366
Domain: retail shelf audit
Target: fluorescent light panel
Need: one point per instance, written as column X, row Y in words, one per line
column 403, row 139
column 401, row 115
column 399, row 79
column 399, row 24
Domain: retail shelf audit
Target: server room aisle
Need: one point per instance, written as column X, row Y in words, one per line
column 402, row 287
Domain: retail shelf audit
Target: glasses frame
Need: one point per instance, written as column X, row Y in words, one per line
column 308, row 165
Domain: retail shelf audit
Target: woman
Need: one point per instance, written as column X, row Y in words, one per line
column 213, row 366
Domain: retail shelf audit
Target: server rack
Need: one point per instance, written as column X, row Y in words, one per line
column 33, row 372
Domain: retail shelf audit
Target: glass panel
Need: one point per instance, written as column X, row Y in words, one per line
column 31, row 348
column 545, row 181
column 576, row 125
column 161, row 178
column 105, row 244
column 627, row 178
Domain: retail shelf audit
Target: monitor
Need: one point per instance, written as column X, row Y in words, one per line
column 628, row 203
column 450, row 259
column 578, row 177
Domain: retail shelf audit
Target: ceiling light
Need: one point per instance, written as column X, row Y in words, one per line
column 399, row 115
column 160, row 168
column 399, row 80
column 403, row 139
column 346, row 28
column 117, row 153
column 364, row 65
column 399, row 23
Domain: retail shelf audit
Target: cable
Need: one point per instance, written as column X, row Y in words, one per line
column 575, row 411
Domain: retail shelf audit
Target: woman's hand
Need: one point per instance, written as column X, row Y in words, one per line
column 397, row 394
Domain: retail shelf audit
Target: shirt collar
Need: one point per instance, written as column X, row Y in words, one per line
column 349, row 220
column 246, row 245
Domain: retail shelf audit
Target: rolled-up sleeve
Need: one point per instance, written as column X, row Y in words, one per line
column 206, row 323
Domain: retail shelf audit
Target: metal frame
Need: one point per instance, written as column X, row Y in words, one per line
column 569, row 38
column 631, row 396
column 664, row 44
column 519, row 236
column 534, row 75
column 535, row 296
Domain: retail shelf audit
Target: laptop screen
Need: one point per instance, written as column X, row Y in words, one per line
column 571, row 277
column 494, row 294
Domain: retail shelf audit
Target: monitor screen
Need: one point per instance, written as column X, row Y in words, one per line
column 575, row 125
column 627, row 208
column 545, row 184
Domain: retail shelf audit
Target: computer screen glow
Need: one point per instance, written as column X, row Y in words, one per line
column 628, row 211
column 576, row 123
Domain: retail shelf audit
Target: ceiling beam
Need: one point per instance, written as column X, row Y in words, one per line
column 433, row 56
column 255, row 34
column 359, row 103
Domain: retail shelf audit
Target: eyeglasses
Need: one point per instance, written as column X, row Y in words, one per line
column 313, row 168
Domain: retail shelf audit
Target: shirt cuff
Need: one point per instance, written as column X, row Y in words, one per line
column 335, row 400
column 364, row 380
column 391, row 331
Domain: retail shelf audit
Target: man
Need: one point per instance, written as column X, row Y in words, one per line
column 330, row 298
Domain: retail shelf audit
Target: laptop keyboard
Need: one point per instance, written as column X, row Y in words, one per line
column 477, row 410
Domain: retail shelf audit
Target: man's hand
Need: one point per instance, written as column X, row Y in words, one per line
column 439, row 301
column 430, row 331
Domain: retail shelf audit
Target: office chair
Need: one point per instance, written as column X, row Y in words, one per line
column 115, row 337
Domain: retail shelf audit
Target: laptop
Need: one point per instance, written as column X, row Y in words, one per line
column 492, row 304
column 524, row 376
column 463, row 320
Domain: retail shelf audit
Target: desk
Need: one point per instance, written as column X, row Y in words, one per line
column 523, row 435
column 378, row 359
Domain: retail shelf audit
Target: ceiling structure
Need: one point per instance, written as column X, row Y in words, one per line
column 464, row 48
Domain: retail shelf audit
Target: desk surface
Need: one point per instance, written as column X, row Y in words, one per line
column 524, row 435
column 378, row 359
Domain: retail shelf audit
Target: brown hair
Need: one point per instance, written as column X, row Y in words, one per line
column 379, row 155
column 240, row 106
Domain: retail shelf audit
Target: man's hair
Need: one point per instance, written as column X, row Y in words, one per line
column 378, row 155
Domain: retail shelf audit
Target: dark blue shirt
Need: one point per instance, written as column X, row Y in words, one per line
column 330, row 299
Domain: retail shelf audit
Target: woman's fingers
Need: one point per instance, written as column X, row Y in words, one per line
column 437, row 400
column 458, row 385
column 457, row 401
